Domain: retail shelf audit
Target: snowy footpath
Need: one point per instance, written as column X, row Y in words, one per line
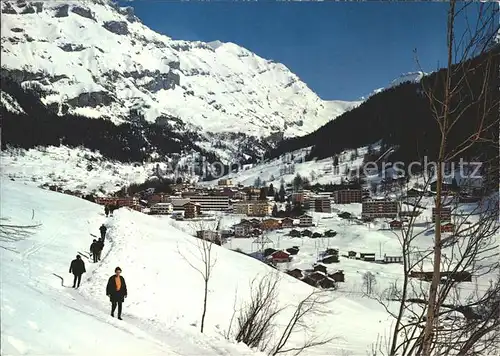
column 43, row 315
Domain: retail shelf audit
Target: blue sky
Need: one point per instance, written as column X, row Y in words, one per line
column 342, row 50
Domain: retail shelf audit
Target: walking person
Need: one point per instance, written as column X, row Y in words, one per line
column 100, row 247
column 94, row 247
column 116, row 290
column 77, row 267
column 103, row 230
column 106, row 210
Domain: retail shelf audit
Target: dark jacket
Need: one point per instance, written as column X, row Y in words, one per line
column 94, row 247
column 116, row 296
column 100, row 245
column 103, row 229
column 77, row 266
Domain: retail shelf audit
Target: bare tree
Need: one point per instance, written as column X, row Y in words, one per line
column 315, row 303
column 435, row 312
column 462, row 99
column 205, row 258
column 257, row 324
column 369, row 282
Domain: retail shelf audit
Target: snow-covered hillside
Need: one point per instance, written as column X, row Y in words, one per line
column 99, row 60
column 42, row 315
column 413, row 77
column 162, row 311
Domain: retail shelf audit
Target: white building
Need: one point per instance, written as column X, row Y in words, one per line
column 211, row 202
column 162, row 209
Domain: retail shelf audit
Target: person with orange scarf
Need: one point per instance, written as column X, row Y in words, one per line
column 116, row 290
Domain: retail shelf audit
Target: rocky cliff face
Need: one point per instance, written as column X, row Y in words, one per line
column 96, row 59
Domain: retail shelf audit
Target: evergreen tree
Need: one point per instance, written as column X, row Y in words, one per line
column 263, row 193
column 282, row 193
column 297, row 182
column 275, row 210
column 270, row 191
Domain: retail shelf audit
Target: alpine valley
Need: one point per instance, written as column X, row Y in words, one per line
column 88, row 60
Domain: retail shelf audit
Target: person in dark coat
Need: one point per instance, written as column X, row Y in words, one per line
column 103, row 229
column 77, row 267
column 106, row 210
column 94, row 247
column 100, row 247
column 116, row 290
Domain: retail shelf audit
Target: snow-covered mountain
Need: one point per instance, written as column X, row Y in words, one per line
column 96, row 59
column 413, row 77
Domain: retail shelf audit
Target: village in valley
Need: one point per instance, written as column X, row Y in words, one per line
column 344, row 236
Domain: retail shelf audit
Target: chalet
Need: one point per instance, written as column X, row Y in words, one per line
column 270, row 224
column 337, row 276
column 242, row 229
column 305, row 220
column 449, row 227
column 225, row 182
column 280, row 257
column 331, row 251
column 327, row 283
column 295, row 233
column 161, row 209
column 316, row 235
column 445, row 187
column 178, row 203
column 297, row 273
column 396, row 225
column 255, row 232
column 463, row 276
column 330, row 259
column 424, row 276
column 209, row 235
column 393, row 259
column 269, row 251
column 191, row 210
column 411, row 193
column 379, row 208
column 320, row 267
column 293, row 250
column 287, row 223
column 445, row 214
column 311, row 281
column 368, row 257
column 352, row 254
column 306, row 232
column 409, row 213
column 330, row 233
column 317, row 276
column 344, row 215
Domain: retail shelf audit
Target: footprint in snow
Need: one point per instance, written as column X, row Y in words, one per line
column 33, row 325
column 8, row 309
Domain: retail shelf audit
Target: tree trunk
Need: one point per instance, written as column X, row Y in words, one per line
column 204, row 306
column 433, row 305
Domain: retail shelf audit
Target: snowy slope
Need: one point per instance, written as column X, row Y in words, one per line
column 42, row 317
column 101, row 61
column 162, row 311
column 413, row 77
